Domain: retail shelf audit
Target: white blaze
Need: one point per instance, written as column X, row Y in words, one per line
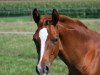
column 43, row 34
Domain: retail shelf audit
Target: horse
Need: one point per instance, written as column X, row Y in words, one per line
column 76, row 45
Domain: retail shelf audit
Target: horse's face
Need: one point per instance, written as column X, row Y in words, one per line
column 46, row 39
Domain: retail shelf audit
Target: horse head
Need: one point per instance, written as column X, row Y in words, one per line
column 46, row 39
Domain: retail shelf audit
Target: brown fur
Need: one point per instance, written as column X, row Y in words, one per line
column 78, row 46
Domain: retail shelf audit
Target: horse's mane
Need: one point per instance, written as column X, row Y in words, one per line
column 77, row 25
column 66, row 19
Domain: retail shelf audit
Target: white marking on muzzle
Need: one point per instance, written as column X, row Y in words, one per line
column 43, row 34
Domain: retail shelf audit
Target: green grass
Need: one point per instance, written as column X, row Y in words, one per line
column 18, row 56
column 16, row 19
column 18, row 27
column 17, row 66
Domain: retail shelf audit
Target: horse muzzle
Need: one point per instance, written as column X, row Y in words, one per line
column 42, row 71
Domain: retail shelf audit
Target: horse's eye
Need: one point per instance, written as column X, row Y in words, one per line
column 54, row 40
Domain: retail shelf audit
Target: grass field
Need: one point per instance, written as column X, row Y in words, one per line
column 18, row 54
column 16, row 19
column 18, row 27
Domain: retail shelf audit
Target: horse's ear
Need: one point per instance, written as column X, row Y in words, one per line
column 55, row 16
column 36, row 15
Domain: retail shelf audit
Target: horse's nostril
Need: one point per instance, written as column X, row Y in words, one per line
column 46, row 70
column 37, row 70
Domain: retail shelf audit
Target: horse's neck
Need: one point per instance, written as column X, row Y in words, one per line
column 73, row 45
column 76, row 45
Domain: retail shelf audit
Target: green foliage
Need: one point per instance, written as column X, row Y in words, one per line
column 74, row 8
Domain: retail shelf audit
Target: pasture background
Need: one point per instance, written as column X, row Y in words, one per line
column 73, row 8
column 17, row 51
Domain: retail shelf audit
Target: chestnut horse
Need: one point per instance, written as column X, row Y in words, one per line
column 76, row 45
